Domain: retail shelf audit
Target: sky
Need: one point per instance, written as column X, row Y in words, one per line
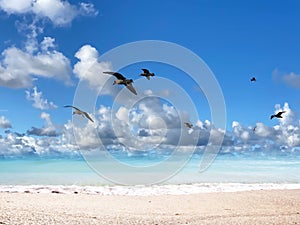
column 48, row 46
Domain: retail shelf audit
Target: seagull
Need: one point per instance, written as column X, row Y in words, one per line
column 147, row 74
column 253, row 79
column 278, row 115
column 122, row 80
column 189, row 125
column 79, row 112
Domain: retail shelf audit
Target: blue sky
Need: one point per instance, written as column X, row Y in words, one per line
column 236, row 39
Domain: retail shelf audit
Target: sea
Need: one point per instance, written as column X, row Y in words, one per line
column 75, row 174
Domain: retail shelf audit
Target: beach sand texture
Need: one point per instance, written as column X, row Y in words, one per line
column 247, row 207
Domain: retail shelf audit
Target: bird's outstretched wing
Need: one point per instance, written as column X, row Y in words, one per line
column 146, row 71
column 131, row 88
column 88, row 116
column 280, row 113
column 272, row 116
column 117, row 75
column 70, row 106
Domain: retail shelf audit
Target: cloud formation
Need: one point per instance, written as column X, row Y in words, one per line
column 19, row 69
column 89, row 69
column 59, row 12
column 285, row 135
column 38, row 101
column 153, row 126
column 4, row 123
column 290, row 79
column 48, row 129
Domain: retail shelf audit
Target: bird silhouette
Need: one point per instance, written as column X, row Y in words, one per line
column 123, row 80
column 189, row 125
column 79, row 112
column 277, row 115
column 147, row 74
column 253, row 79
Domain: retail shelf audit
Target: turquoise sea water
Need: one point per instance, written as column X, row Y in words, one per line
column 226, row 168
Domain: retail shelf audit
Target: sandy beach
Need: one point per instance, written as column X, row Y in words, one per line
column 248, row 207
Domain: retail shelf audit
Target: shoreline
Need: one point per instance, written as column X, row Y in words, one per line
column 148, row 190
column 245, row 207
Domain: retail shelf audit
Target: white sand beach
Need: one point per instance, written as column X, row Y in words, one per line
column 245, row 207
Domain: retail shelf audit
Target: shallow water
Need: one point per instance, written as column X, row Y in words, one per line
column 226, row 169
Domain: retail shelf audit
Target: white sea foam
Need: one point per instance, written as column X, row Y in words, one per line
column 180, row 189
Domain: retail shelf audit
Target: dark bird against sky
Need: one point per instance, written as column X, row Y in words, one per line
column 122, row 80
column 189, row 125
column 278, row 115
column 79, row 112
column 147, row 74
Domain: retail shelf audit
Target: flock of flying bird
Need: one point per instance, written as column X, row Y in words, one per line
column 277, row 115
column 121, row 80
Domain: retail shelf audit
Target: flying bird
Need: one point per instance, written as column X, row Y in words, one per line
column 189, row 125
column 122, row 80
column 253, row 79
column 79, row 112
column 147, row 74
column 278, row 115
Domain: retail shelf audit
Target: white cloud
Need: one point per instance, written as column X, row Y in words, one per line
column 4, row 123
column 16, row 6
column 89, row 68
column 153, row 125
column 289, row 117
column 47, row 44
column 285, row 133
column 38, row 101
column 47, row 130
column 264, row 131
column 14, row 144
column 59, row 12
column 292, row 79
column 87, row 9
column 123, row 114
column 148, row 92
column 18, row 69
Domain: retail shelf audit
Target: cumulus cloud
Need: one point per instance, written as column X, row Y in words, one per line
column 47, row 130
column 59, row 12
column 19, row 69
column 4, row 123
column 38, row 101
column 289, row 117
column 89, row 68
column 284, row 135
column 148, row 125
column 15, row 6
column 14, row 144
column 153, row 125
